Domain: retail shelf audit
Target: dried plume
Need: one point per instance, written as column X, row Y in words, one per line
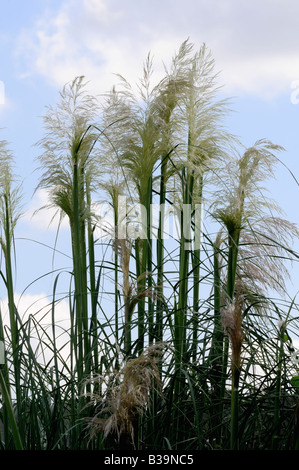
column 126, row 394
column 232, row 317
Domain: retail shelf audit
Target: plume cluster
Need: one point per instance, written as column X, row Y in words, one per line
column 126, row 394
column 232, row 317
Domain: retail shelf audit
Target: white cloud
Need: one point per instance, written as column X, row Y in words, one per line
column 39, row 215
column 38, row 309
column 2, row 93
column 6, row 104
column 74, row 41
column 254, row 44
column 42, row 217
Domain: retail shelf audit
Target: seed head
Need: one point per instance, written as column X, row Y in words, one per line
column 232, row 323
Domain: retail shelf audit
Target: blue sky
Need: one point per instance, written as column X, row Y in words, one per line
column 46, row 43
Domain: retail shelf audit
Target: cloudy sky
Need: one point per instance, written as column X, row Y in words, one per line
column 44, row 44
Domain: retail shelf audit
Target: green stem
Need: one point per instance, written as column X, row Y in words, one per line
column 11, row 417
column 181, row 311
column 80, row 271
column 145, row 279
column 116, row 274
column 150, row 263
column 83, row 274
column 4, row 369
column 234, row 236
column 9, row 282
column 11, row 305
column 275, row 437
column 183, row 286
column 216, row 351
column 160, row 251
column 234, row 438
column 196, row 274
column 93, row 289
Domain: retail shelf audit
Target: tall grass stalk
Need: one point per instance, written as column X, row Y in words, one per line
column 93, row 284
column 9, row 214
column 67, row 163
column 11, row 416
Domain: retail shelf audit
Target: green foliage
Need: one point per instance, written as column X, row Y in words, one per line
column 181, row 342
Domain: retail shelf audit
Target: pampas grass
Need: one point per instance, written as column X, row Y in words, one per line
column 171, row 341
